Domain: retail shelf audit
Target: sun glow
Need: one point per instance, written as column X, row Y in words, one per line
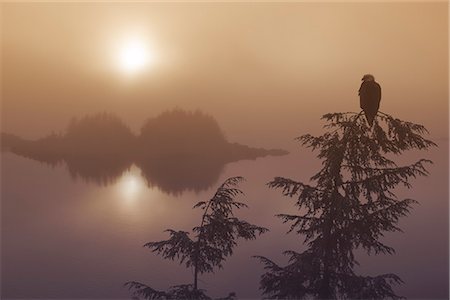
column 131, row 186
column 134, row 55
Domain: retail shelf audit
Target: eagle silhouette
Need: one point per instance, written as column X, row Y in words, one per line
column 369, row 97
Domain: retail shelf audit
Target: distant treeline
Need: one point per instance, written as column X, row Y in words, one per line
column 172, row 133
column 175, row 151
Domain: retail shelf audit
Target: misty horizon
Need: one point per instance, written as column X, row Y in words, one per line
column 155, row 105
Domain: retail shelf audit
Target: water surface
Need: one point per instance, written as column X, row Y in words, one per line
column 65, row 237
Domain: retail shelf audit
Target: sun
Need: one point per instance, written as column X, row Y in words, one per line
column 134, row 56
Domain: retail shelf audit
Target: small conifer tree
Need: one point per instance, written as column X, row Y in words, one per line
column 214, row 241
column 349, row 204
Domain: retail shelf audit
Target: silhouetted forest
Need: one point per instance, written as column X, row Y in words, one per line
column 348, row 204
column 214, row 241
column 178, row 132
column 176, row 151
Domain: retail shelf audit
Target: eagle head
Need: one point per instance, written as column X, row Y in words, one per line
column 368, row 77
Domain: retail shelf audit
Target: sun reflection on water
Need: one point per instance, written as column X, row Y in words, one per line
column 131, row 186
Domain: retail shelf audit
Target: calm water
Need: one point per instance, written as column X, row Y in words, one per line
column 63, row 237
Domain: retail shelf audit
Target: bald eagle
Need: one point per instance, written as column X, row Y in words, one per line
column 369, row 97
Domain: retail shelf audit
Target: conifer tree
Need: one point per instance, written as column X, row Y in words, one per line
column 349, row 203
column 215, row 238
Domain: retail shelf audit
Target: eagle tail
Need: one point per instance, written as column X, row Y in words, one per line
column 370, row 117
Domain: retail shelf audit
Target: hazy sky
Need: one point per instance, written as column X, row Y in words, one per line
column 265, row 71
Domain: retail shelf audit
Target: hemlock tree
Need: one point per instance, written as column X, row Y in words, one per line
column 349, row 205
column 214, row 241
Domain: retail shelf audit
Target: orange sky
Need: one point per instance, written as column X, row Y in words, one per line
column 265, row 71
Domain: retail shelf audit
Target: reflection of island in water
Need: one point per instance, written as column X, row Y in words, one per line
column 175, row 151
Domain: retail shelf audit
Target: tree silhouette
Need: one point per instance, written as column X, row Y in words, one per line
column 95, row 135
column 349, row 205
column 178, row 131
column 176, row 151
column 214, row 241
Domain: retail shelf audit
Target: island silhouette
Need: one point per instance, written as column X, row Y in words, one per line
column 176, row 151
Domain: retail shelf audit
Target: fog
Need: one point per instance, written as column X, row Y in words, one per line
column 266, row 72
column 274, row 67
